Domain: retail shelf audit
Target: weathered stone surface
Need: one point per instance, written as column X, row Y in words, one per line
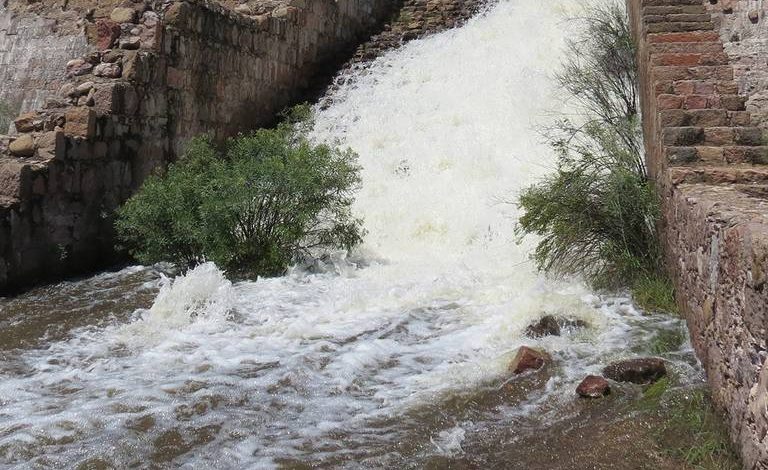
column 130, row 43
column 76, row 67
column 108, row 70
column 528, row 359
column 28, row 122
column 593, row 386
column 81, row 122
column 106, row 33
column 23, row 146
column 123, row 15
column 639, row 370
column 715, row 196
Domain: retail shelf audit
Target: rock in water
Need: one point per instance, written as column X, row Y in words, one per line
column 547, row 326
column 528, row 359
column 593, row 386
column 644, row 370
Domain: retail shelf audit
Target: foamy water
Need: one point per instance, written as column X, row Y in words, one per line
column 322, row 368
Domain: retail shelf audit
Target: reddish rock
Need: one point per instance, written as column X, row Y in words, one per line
column 106, row 33
column 642, row 371
column 593, row 386
column 528, row 359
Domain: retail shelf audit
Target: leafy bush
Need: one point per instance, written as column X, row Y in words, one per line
column 596, row 214
column 268, row 199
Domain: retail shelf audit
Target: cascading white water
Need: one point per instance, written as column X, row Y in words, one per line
column 322, row 367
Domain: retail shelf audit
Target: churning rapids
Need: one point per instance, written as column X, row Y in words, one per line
column 392, row 356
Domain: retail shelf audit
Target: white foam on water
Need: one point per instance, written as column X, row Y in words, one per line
column 300, row 366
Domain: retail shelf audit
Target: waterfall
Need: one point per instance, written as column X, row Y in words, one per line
column 349, row 366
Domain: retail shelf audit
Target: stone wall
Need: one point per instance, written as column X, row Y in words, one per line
column 153, row 75
column 33, row 52
column 703, row 77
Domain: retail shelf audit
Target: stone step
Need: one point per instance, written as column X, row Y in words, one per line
column 716, row 174
column 689, row 59
column 678, row 26
column 713, row 136
column 702, row 47
column 664, row 10
column 694, row 36
column 685, row 72
column 678, row 17
column 702, row 118
column 717, row 155
column 696, row 101
column 657, row 3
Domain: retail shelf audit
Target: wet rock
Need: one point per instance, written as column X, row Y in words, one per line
column 24, row 146
column 642, row 371
column 550, row 325
column 528, row 359
column 546, row 326
column 593, row 386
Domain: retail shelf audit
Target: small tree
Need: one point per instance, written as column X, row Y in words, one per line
column 596, row 213
column 268, row 199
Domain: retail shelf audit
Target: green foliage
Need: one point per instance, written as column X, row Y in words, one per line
column 695, row 432
column 6, row 117
column 654, row 293
column 596, row 214
column 653, row 393
column 667, row 341
column 268, row 199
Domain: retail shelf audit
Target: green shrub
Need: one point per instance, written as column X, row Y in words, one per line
column 268, row 199
column 596, row 214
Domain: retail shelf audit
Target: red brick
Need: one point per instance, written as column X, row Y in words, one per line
column 669, row 102
column 694, row 36
column 675, row 59
column 695, row 102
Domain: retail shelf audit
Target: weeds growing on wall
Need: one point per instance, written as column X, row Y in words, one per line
column 596, row 214
column 268, row 199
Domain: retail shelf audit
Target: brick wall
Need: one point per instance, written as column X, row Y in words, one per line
column 706, row 151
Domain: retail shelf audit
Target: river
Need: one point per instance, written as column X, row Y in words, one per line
column 393, row 356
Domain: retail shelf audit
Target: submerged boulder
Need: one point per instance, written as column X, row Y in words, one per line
column 593, row 386
column 546, row 326
column 644, row 370
column 551, row 325
column 528, row 359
